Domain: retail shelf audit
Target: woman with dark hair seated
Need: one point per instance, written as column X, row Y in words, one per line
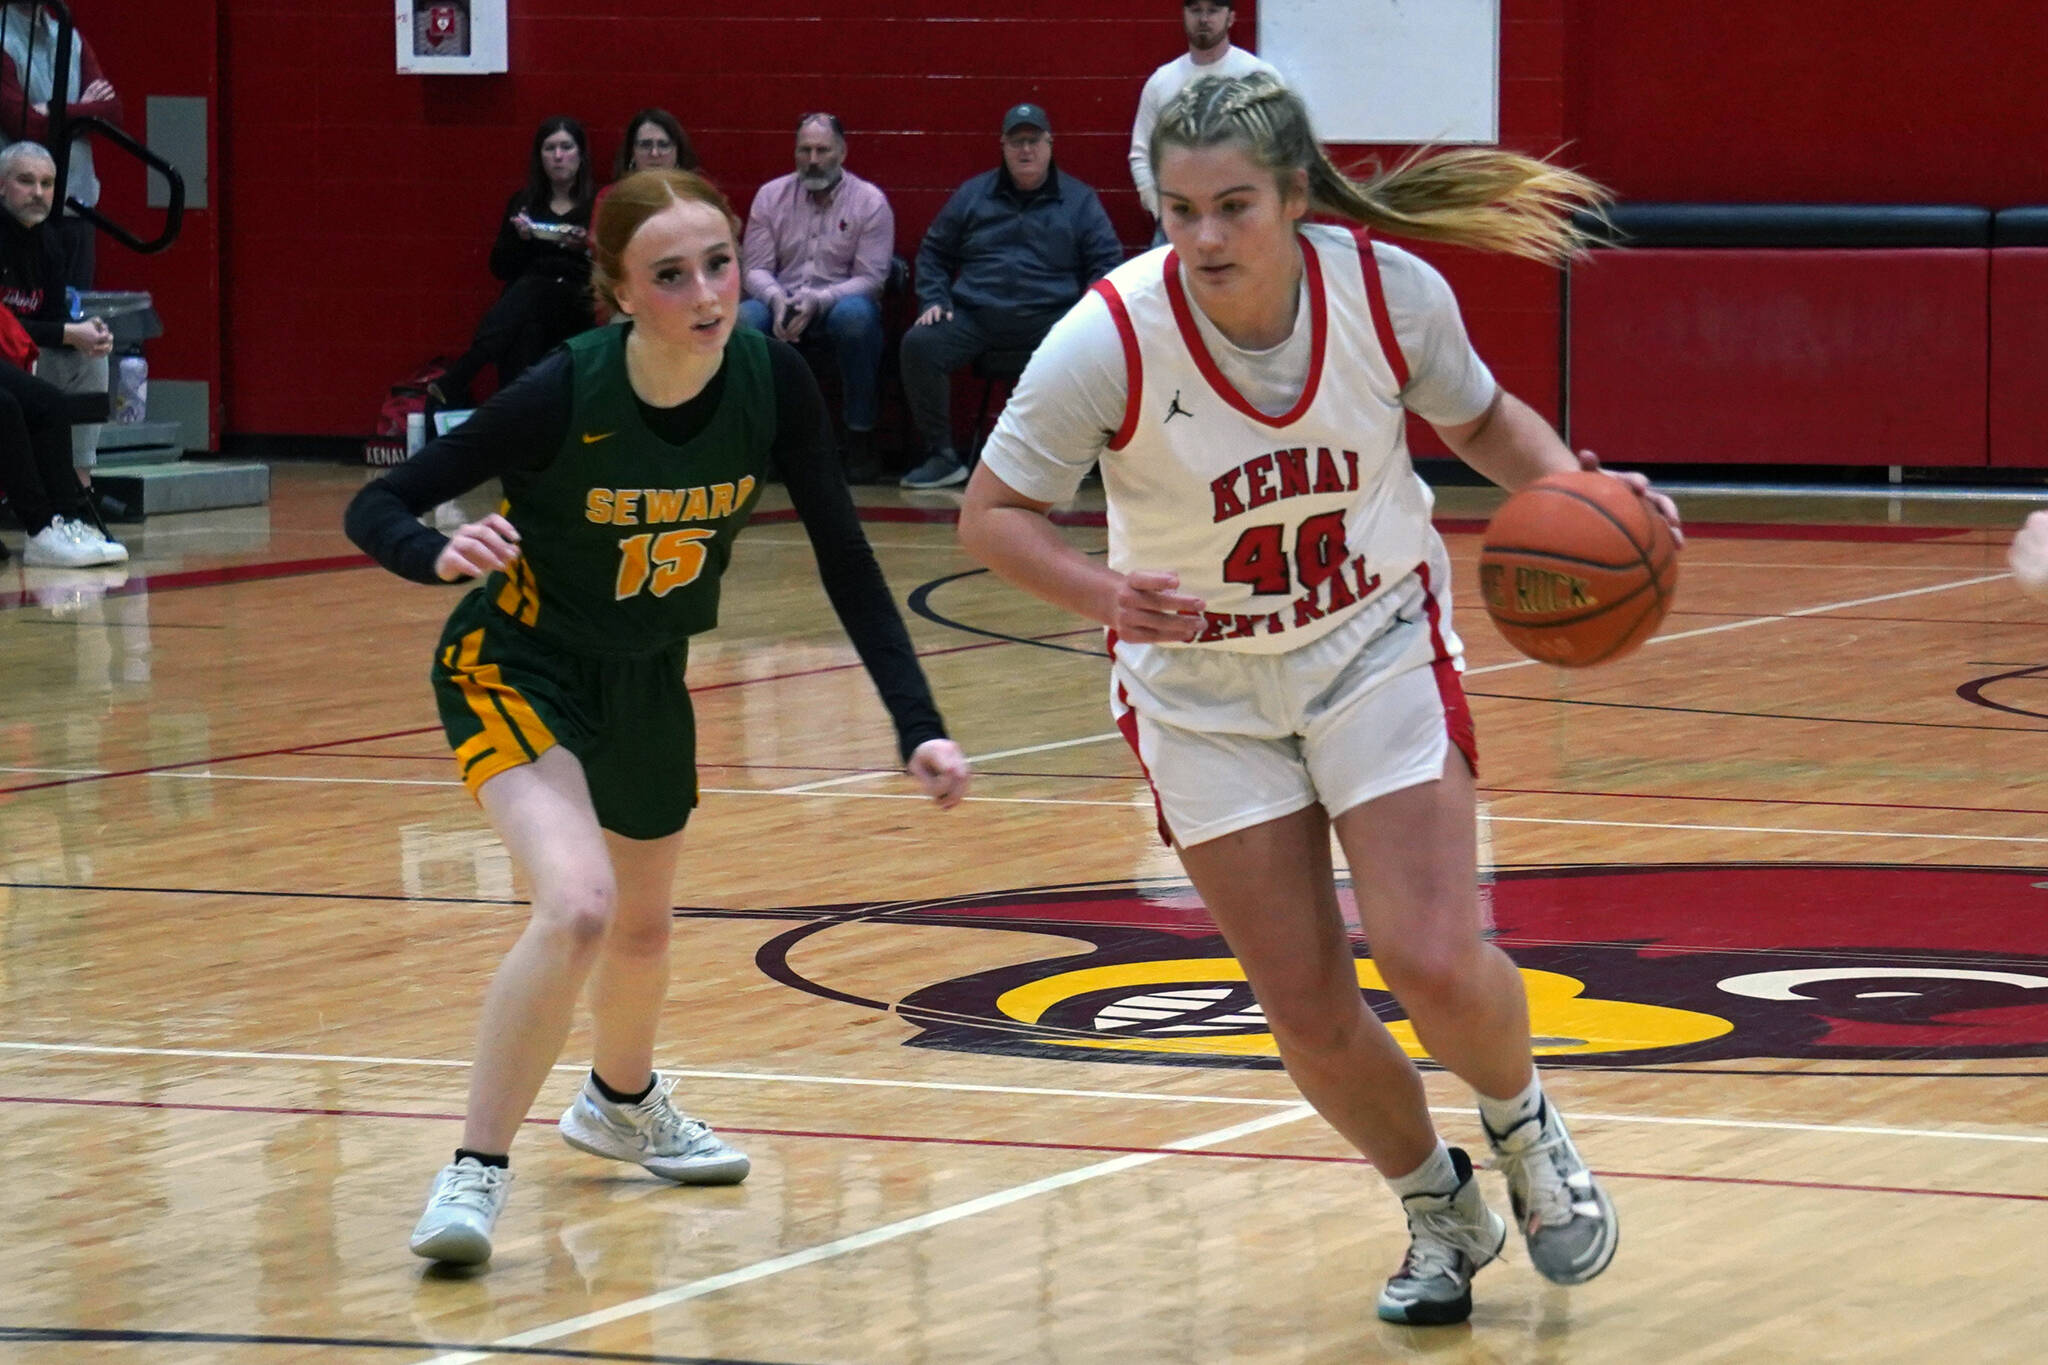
column 654, row 141
column 543, row 256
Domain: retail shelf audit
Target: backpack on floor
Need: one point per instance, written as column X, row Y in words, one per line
column 408, row 396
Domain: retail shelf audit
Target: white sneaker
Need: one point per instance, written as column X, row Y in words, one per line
column 1566, row 1217
column 58, row 546
column 464, row 1206
column 652, row 1134
column 91, row 536
column 1451, row 1237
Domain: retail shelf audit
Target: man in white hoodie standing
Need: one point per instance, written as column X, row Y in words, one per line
column 1210, row 53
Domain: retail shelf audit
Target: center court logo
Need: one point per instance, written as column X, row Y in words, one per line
column 1624, row 966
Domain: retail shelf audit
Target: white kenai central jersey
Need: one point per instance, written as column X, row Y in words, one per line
column 1283, row 525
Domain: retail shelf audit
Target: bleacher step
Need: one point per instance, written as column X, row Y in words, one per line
column 139, row 455
column 186, row 485
column 129, row 435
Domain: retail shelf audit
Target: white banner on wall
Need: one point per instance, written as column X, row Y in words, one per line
column 451, row 37
column 1399, row 71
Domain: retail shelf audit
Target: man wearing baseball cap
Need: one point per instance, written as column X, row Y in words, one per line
column 1011, row 252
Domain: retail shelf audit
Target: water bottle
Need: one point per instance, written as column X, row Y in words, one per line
column 74, row 306
column 415, row 433
column 130, row 395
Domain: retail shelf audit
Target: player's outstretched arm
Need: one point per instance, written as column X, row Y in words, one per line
column 1512, row 445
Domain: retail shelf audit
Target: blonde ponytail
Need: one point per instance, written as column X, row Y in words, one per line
column 1491, row 200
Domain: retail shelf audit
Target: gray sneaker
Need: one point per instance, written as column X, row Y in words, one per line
column 1567, row 1218
column 652, row 1134
column 942, row 469
column 1450, row 1237
column 464, row 1206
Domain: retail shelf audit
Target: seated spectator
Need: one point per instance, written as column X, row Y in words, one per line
column 1011, row 251
column 653, row 141
column 74, row 354
column 817, row 254
column 35, row 474
column 28, row 82
column 543, row 256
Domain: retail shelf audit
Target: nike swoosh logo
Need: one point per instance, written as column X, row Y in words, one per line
column 591, row 440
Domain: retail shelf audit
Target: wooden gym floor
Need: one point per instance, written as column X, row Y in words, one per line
column 1775, row 882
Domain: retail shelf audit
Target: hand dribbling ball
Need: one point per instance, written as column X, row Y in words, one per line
column 1577, row 569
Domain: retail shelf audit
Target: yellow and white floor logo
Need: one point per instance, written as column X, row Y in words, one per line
column 1623, row 967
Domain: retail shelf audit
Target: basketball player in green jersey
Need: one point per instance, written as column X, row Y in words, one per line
column 630, row 459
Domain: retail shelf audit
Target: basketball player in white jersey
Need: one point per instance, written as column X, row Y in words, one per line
column 1279, row 611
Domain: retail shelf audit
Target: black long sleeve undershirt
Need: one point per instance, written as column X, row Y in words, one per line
column 513, row 255
column 523, row 427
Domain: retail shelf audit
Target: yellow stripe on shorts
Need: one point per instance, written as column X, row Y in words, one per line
column 513, row 732
column 519, row 598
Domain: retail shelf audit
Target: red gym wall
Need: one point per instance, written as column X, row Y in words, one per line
column 355, row 206
column 1819, row 101
column 169, row 47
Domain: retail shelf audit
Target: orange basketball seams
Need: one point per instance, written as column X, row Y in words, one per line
column 1576, row 569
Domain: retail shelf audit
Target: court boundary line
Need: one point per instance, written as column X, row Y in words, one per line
column 1137, row 801
column 1766, row 829
column 142, row 1336
column 1754, row 621
column 799, row 1078
column 1503, row 666
column 1020, row 1144
column 870, row 775
column 1723, row 713
column 1048, row 776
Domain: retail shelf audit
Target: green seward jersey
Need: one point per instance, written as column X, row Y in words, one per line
column 623, row 536
column 626, row 515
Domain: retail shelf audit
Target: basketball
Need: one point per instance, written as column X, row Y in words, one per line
column 1577, row 570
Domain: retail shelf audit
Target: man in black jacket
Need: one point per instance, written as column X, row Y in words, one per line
column 1011, row 252
column 32, row 276
column 36, row 454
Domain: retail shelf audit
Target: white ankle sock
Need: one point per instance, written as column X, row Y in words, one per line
column 1435, row 1175
column 1501, row 1116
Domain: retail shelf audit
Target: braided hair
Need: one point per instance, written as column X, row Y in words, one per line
column 1491, row 200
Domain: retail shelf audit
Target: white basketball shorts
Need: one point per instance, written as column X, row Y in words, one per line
column 1231, row 740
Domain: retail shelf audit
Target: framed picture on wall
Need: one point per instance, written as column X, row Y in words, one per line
column 451, row 37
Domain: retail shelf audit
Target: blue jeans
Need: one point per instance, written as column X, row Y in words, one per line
column 853, row 327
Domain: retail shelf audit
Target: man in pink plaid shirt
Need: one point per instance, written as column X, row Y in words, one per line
column 816, row 254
